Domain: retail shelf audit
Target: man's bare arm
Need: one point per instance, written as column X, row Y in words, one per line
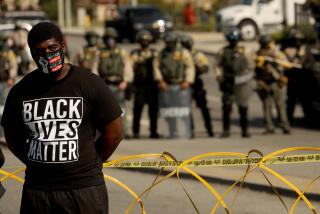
column 111, row 136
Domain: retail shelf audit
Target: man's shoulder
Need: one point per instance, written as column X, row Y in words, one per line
column 84, row 73
column 28, row 81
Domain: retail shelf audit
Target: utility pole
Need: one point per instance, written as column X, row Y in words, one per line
column 284, row 12
column 61, row 13
column 134, row 3
column 68, row 13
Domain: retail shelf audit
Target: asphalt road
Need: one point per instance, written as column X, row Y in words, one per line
column 167, row 197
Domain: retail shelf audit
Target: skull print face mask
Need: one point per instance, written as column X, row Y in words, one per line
column 52, row 62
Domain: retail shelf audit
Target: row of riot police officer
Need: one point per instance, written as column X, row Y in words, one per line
column 163, row 80
column 241, row 73
column 168, row 80
column 282, row 77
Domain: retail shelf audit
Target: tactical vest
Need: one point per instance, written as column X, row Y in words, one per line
column 240, row 62
column 194, row 55
column 227, row 60
column 143, row 67
column 4, row 65
column 23, row 68
column 172, row 66
column 111, row 65
column 89, row 56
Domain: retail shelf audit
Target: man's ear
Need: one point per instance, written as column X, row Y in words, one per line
column 63, row 46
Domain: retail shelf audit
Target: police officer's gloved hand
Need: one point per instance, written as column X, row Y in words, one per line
column 184, row 85
column 219, row 78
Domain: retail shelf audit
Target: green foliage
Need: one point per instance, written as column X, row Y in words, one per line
column 51, row 8
column 198, row 26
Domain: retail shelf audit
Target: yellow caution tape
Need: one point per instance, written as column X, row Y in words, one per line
column 222, row 162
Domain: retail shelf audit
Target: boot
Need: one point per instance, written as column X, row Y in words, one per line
column 244, row 121
column 226, row 120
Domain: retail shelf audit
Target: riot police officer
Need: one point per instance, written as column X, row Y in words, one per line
column 174, row 70
column 311, row 65
column 145, row 87
column 88, row 56
column 235, row 80
column 314, row 6
column 294, row 49
column 115, row 68
column 199, row 93
column 271, row 83
column 8, row 70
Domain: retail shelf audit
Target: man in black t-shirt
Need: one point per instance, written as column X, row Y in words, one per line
column 50, row 122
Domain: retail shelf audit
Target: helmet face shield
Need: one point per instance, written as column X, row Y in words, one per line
column 266, row 41
column 144, row 43
column 234, row 36
column 92, row 40
column 171, row 40
column 171, row 45
column 186, row 41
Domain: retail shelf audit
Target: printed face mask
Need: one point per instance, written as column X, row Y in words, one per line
column 52, row 62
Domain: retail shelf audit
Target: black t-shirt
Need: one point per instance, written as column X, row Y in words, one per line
column 57, row 123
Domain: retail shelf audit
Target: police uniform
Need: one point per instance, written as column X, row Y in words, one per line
column 88, row 56
column 115, row 68
column 175, row 68
column 295, row 53
column 235, row 79
column 198, row 91
column 272, row 85
column 311, row 87
column 145, row 87
column 8, row 73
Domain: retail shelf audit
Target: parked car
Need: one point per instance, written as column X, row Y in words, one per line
column 130, row 20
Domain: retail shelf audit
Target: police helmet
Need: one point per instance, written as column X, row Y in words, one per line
column 186, row 41
column 233, row 35
column 110, row 33
column 144, row 35
column 90, row 34
column 171, row 37
column 265, row 40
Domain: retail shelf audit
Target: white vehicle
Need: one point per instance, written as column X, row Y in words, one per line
column 254, row 17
